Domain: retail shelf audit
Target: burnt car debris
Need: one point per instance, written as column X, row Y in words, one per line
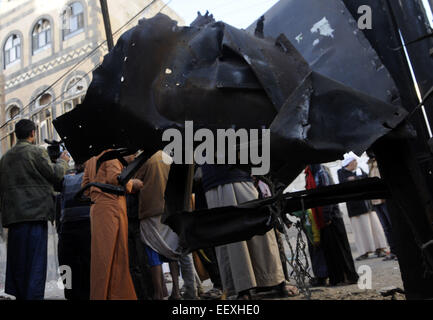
column 243, row 81
column 317, row 83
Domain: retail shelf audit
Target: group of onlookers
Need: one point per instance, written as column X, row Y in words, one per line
column 115, row 243
column 330, row 252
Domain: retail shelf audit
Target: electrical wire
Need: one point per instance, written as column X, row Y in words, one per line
column 78, row 63
column 81, row 61
column 61, row 95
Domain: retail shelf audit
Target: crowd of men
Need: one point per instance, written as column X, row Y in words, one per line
column 115, row 243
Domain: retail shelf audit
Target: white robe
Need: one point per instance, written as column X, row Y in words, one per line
column 246, row 264
column 368, row 231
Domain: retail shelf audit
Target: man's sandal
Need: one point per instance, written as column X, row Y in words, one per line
column 286, row 290
column 244, row 295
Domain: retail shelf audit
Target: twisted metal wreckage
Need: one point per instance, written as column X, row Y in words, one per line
column 316, row 83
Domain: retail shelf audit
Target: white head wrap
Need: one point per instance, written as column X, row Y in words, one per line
column 348, row 160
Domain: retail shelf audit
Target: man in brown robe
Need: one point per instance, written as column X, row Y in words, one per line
column 110, row 278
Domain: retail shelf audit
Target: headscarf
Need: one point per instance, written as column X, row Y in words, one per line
column 348, row 160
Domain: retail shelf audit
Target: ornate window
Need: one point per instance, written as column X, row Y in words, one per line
column 12, row 50
column 41, row 102
column 41, row 35
column 73, row 19
column 43, row 119
column 44, row 100
column 13, row 111
column 75, row 91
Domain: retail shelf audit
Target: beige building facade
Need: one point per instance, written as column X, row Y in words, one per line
column 52, row 47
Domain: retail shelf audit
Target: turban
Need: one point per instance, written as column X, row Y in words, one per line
column 348, row 160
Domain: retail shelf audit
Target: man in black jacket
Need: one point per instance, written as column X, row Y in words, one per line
column 74, row 236
column 368, row 231
column 333, row 237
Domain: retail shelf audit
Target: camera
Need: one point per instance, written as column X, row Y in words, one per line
column 55, row 149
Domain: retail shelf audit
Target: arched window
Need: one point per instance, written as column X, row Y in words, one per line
column 41, row 35
column 41, row 102
column 75, row 87
column 44, row 100
column 12, row 50
column 13, row 111
column 75, row 91
column 43, row 119
column 73, row 19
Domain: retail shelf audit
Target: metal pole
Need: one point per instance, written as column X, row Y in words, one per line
column 188, row 188
column 3, row 119
column 107, row 24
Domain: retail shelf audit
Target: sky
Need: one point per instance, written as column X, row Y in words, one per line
column 238, row 13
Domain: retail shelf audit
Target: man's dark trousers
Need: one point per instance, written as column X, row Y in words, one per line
column 26, row 266
column 74, row 251
column 138, row 263
column 385, row 220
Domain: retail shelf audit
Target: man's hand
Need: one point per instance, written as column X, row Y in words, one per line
column 65, row 156
column 137, row 184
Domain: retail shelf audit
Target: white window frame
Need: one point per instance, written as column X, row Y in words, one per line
column 12, row 44
column 73, row 14
column 36, row 36
column 72, row 94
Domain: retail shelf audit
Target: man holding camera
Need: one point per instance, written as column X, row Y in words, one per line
column 27, row 176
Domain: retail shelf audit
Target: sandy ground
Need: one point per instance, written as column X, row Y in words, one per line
column 384, row 275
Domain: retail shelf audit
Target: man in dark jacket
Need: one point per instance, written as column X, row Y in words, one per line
column 138, row 261
column 74, row 236
column 368, row 231
column 27, row 177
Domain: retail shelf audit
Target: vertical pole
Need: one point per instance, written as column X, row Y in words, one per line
column 3, row 119
column 411, row 212
column 188, row 188
column 107, row 24
column 2, row 107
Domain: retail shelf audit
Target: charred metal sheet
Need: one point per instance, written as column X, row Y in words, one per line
column 364, row 189
column 159, row 75
column 328, row 37
column 389, row 17
column 197, row 230
column 409, row 18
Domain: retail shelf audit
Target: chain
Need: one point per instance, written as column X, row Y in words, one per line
column 300, row 268
column 299, row 259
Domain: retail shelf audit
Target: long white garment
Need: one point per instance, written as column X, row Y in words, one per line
column 160, row 237
column 368, row 231
column 246, row 264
